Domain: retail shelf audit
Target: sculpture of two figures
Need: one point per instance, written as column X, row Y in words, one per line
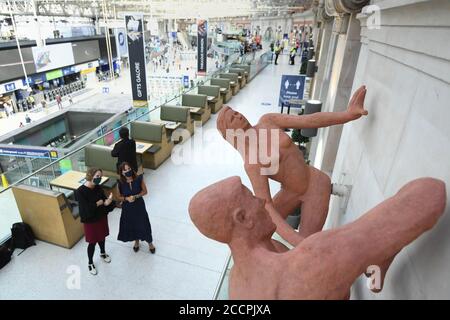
column 322, row 264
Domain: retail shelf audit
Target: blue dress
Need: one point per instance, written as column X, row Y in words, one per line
column 134, row 221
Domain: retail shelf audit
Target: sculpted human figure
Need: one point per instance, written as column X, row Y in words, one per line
column 301, row 185
column 324, row 265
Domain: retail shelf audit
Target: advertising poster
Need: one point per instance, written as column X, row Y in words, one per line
column 53, row 56
column 136, row 52
column 122, row 46
column 202, row 46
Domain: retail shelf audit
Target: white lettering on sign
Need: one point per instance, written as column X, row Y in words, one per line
column 202, row 46
column 137, row 68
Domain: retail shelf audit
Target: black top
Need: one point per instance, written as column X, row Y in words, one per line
column 125, row 151
column 87, row 200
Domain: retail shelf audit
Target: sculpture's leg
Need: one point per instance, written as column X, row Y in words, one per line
column 285, row 202
column 335, row 258
column 315, row 203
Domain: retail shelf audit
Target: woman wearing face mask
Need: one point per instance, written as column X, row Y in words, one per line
column 94, row 208
column 134, row 221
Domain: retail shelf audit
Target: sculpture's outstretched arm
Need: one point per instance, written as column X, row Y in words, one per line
column 340, row 255
column 261, row 188
column 320, row 119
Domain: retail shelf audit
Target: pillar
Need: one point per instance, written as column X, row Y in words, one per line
column 338, row 59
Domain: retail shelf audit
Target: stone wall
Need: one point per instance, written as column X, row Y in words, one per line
column 405, row 65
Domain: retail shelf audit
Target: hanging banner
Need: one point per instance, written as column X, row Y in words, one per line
column 202, row 46
column 136, row 53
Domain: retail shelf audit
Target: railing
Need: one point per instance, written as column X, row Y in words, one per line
column 255, row 68
column 74, row 160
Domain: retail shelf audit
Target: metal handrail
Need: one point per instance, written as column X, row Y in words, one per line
column 225, row 268
column 222, row 277
column 109, row 132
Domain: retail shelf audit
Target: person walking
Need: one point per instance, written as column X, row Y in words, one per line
column 292, row 56
column 70, row 99
column 125, row 150
column 272, row 49
column 59, row 101
column 134, row 222
column 8, row 109
column 277, row 52
column 94, row 208
column 254, row 48
column 31, row 101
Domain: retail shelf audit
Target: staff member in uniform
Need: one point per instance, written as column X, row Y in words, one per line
column 125, row 150
column 94, row 209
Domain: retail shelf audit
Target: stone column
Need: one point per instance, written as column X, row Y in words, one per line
column 338, row 92
column 334, row 81
column 322, row 55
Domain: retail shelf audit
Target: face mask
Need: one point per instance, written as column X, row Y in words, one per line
column 97, row 181
column 128, row 174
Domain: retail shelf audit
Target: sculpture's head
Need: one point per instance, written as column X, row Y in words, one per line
column 231, row 119
column 227, row 210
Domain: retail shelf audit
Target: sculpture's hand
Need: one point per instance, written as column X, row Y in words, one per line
column 283, row 228
column 356, row 104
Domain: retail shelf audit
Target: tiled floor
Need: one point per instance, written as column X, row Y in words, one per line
column 186, row 265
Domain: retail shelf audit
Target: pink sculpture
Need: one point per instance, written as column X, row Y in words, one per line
column 323, row 266
column 301, row 185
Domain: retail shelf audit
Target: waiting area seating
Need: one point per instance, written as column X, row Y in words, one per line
column 241, row 76
column 98, row 156
column 197, row 101
column 181, row 115
column 52, row 217
column 234, row 81
column 156, row 135
column 225, row 88
column 246, row 68
column 215, row 101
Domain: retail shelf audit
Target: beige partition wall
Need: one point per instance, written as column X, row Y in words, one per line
column 48, row 215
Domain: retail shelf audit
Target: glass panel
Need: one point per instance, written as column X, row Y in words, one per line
column 41, row 172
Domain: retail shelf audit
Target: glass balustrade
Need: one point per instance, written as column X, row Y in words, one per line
column 41, row 172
